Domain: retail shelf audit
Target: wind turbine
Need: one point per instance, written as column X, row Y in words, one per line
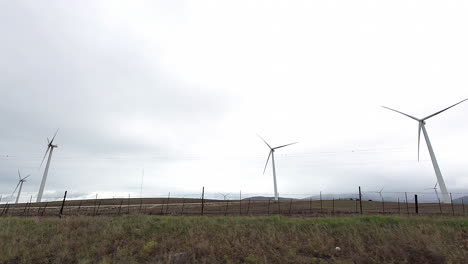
column 20, row 184
column 272, row 154
column 50, row 149
column 435, row 190
column 380, row 193
column 422, row 123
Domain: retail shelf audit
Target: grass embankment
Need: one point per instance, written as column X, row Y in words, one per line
column 151, row 239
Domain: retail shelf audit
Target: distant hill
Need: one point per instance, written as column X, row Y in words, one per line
column 265, row 198
column 459, row 200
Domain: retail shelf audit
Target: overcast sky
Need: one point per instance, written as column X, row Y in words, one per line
column 180, row 89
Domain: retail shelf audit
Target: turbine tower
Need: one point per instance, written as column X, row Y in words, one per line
column 422, row 126
column 272, row 154
column 20, row 184
column 50, row 149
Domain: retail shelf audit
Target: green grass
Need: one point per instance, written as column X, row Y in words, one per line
column 152, row 239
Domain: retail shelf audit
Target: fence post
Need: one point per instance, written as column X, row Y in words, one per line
column 120, row 207
column 321, row 202
column 416, row 203
column 310, row 205
column 183, row 205
column 398, row 205
column 141, row 204
column 128, row 205
column 290, row 206
column 269, row 201
column 463, row 206
column 248, row 206
column 43, row 210
column 333, row 205
column 407, row 206
column 167, row 204
column 97, row 210
column 63, row 204
column 440, row 206
column 240, row 202
column 203, row 200
column 451, row 202
column 279, row 206
column 162, row 207
column 383, row 205
column 227, row 205
column 360, row 200
column 79, row 207
column 26, row 206
column 5, row 207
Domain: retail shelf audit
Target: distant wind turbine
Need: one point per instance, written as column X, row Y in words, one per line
column 272, row 152
column 435, row 190
column 20, row 184
column 422, row 123
column 50, row 149
column 380, row 193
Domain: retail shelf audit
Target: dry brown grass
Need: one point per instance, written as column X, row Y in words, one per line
column 155, row 239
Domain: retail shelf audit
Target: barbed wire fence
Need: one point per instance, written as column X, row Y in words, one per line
column 236, row 204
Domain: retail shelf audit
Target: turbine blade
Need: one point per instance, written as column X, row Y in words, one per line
column 54, row 136
column 48, row 147
column 26, row 177
column 419, row 137
column 266, row 164
column 19, row 174
column 435, row 186
column 285, row 145
column 263, row 140
column 412, row 117
column 427, row 117
column 381, row 190
column 16, row 188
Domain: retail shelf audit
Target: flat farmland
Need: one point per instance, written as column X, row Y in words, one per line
column 194, row 207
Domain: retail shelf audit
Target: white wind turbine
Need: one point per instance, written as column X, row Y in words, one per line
column 435, row 190
column 422, row 123
column 20, row 184
column 380, row 193
column 50, row 149
column 272, row 152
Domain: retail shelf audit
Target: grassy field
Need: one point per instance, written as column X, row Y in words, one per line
column 156, row 239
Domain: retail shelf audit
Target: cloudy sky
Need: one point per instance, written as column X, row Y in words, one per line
column 179, row 89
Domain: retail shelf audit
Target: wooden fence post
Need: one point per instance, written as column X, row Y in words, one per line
column 44, row 209
column 407, row 206
column 360, row 200
column 290, row 206
column 248, row 207
column 321, row 203
column 240, row 202
column 120, row 207
column 97, row 210
column 79, row 207
column 63, row 204
column 398, row 205
column 451, row 202
column 416, row 203
column 203, row 200
column 463, row 206
column 167, row 204
column 383, row 205
column 333, row 206
column 268, row 210
column 227, row 205
column 310, row 205
column 183, row 205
